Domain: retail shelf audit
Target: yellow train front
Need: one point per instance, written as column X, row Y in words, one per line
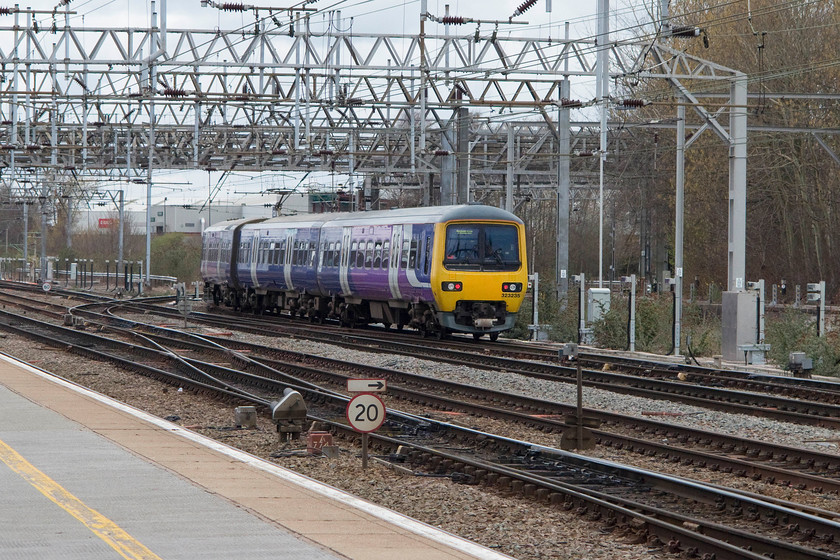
column 479, row 277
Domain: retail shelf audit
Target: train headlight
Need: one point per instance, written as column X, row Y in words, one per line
column 453, row 286
column 512, row 287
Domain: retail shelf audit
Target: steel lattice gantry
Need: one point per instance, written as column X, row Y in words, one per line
column 263, row 100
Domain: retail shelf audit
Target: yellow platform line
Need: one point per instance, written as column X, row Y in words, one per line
column 126, row 545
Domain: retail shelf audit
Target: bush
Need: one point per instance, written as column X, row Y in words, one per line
column 795, row 331
column 177, row 254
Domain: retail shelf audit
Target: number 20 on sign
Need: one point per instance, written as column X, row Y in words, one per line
column 366, row 413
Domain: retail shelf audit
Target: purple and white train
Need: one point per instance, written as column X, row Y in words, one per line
column 438, row 269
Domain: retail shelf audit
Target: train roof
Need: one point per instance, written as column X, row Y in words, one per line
column 428, row 214
column 230, row 224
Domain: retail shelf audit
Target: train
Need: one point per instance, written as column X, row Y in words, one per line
column 439, row 269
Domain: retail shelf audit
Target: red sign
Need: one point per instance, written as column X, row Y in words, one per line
column 105, row 223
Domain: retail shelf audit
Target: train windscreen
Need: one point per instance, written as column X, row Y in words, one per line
column 482, row 247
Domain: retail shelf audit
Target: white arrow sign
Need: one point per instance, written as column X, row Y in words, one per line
column 366, row 385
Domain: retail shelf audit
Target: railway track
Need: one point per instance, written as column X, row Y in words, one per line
column 788, row 409
column 681, row 516
column 787, row 466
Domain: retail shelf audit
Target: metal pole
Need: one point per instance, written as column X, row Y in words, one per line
column 364, row 451
column 603, row 94
column 120, row 237
column 581, row 309
column 561, row 273
column 738, row 184
column 631, row 334
column 579, row 406
column 509, row 181
column 678, row 240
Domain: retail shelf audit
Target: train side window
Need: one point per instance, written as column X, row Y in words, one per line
column 377, row 255
column 354, row 247
column 337, row 254
column 360, row 255
column 313, row 252
column 404, row 257
column 412, row 254
column 369, row 255
column 386, row 253
column 428, row 260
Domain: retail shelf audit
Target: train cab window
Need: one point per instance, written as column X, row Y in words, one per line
column 412, row 254
column 482, row 247
column 386, row 254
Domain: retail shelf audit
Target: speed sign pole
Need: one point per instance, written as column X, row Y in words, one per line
column 365, row 413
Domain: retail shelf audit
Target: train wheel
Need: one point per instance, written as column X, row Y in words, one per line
column 400, row 326
column 441, row 333
column 477, row 335
column 217, row 297
column 386, row 324
column 494, row 336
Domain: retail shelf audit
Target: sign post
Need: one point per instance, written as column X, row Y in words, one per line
column 365, row 413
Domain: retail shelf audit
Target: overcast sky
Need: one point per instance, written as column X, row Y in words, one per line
column 360, row 16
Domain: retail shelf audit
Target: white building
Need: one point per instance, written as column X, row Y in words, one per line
column 169, row 218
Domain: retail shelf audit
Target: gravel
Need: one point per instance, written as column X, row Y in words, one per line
column 512, row 525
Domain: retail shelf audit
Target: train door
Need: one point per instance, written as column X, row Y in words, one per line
column 344, row 279
column 290, row 252
column 394, row 262
column 252, row 266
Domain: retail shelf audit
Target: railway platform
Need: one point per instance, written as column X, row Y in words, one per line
column 87, row 477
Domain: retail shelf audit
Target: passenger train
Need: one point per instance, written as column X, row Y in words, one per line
column 437, row 269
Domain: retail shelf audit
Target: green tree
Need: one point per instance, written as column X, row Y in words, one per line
column 177, row 254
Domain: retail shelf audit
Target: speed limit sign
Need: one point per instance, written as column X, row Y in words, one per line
column 366, row 413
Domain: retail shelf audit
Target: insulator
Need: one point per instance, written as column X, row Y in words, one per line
column 441, row 152
column 5, row 11
column 524, row 7
column 279, row 152
column 326, row 153
column 685, row 31
column 585, row 154
column 354, row 101
column 453, row 20
column 174, row 92
column 232, row 7
column 570, row 103
column 633, row 102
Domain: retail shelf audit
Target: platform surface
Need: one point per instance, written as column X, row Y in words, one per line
column 86, row 477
